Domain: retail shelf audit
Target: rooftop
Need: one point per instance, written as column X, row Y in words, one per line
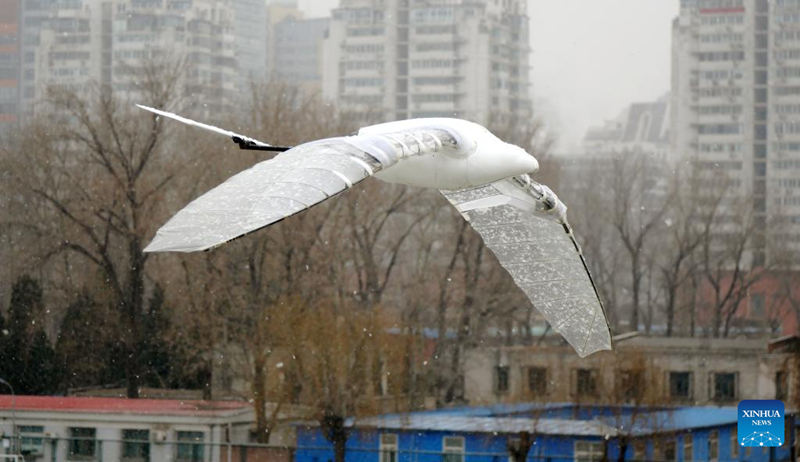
column 454, row 423
column 122, row 405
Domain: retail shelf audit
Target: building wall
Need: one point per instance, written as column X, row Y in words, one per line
column 9, row 64
column 427, row 446
column 163, row 435
column 297, row 50
column 754, row 368
column 214, row 46
column 424, row 446
column 736, row 98
column 398, row 59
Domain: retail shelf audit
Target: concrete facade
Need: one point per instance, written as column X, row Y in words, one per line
column 559, row 431
column 297, row 51
column 219, row 47
column 9, row 64
column 736, row 106
column 688, row 371
column 398, row 59
column 81, row 428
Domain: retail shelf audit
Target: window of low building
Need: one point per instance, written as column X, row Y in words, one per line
column 688, row 447
column 537, row 380
column 82, row 443
column 670, row 452
column 724, row 386
column 713, row 445
column 135, row 445
column 190, row 446
column 501, row 379
column 630, row 384
column 680, row 385
column 453, row 449
column 639, row 450
column 586, row 382
column 588, row 451
column 388, row 447
column 31, row 439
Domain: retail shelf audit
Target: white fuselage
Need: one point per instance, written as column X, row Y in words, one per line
column 480, row 157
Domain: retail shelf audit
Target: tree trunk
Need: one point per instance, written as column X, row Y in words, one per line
column 339, row 449
column 260, row 400
column 132, row 311
column 623, row 448
column 518, row 450
column 132, row 375
column 670, row 311
column 635, row 289
column 334, row 431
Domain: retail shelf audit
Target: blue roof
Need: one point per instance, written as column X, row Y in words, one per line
column 495, row 425
column 554, row 419
column 678, row 419
column 496, row 410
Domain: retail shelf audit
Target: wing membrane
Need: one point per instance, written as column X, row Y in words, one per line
column 264, row 194
column 285, row 185
column 539, row 252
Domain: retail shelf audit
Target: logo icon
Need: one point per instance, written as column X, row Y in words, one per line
column 760, row 423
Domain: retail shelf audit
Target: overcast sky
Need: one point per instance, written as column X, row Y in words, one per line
column 591, row 58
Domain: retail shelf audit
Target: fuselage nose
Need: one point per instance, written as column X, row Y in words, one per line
column 495, row 161
column 520, row 159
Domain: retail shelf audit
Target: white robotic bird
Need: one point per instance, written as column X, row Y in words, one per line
column 486, row 179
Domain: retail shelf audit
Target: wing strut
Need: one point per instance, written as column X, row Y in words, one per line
column 244, row 142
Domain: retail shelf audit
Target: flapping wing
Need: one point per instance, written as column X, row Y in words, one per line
column 535, row 244
column 285, row 185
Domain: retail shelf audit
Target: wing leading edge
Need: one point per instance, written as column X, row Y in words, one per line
column 533, row 241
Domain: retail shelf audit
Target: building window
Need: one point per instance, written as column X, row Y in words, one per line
column 796, row 442
column 537, row 380
column 725, row 386
column 82, row 443
column 757, row 305
column 588, row 451
column 631, row 384
column 781, row 384
column 586, row 382
column 190, row 447
column 688, row 447
column 713, row 445
column 501, row 379
column 680, row 385
column 639, row 450
column 670, row 453
column 135, row 445
column 453, row 449
column 31, row 439
column 388, row 447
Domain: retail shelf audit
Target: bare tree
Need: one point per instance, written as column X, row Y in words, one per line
column 636, row 214
column 683, row 239
column 100, row 167
column 336, row 351
column 726, row 252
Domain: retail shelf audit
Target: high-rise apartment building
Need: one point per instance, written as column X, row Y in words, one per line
column 9, row 63
column 736, row 106
column 219, row 44
column 297, row 51
column 397, row 59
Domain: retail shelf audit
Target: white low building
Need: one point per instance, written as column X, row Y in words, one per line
column 120, row 429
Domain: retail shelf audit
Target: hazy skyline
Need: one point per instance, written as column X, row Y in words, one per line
column 590, row 59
